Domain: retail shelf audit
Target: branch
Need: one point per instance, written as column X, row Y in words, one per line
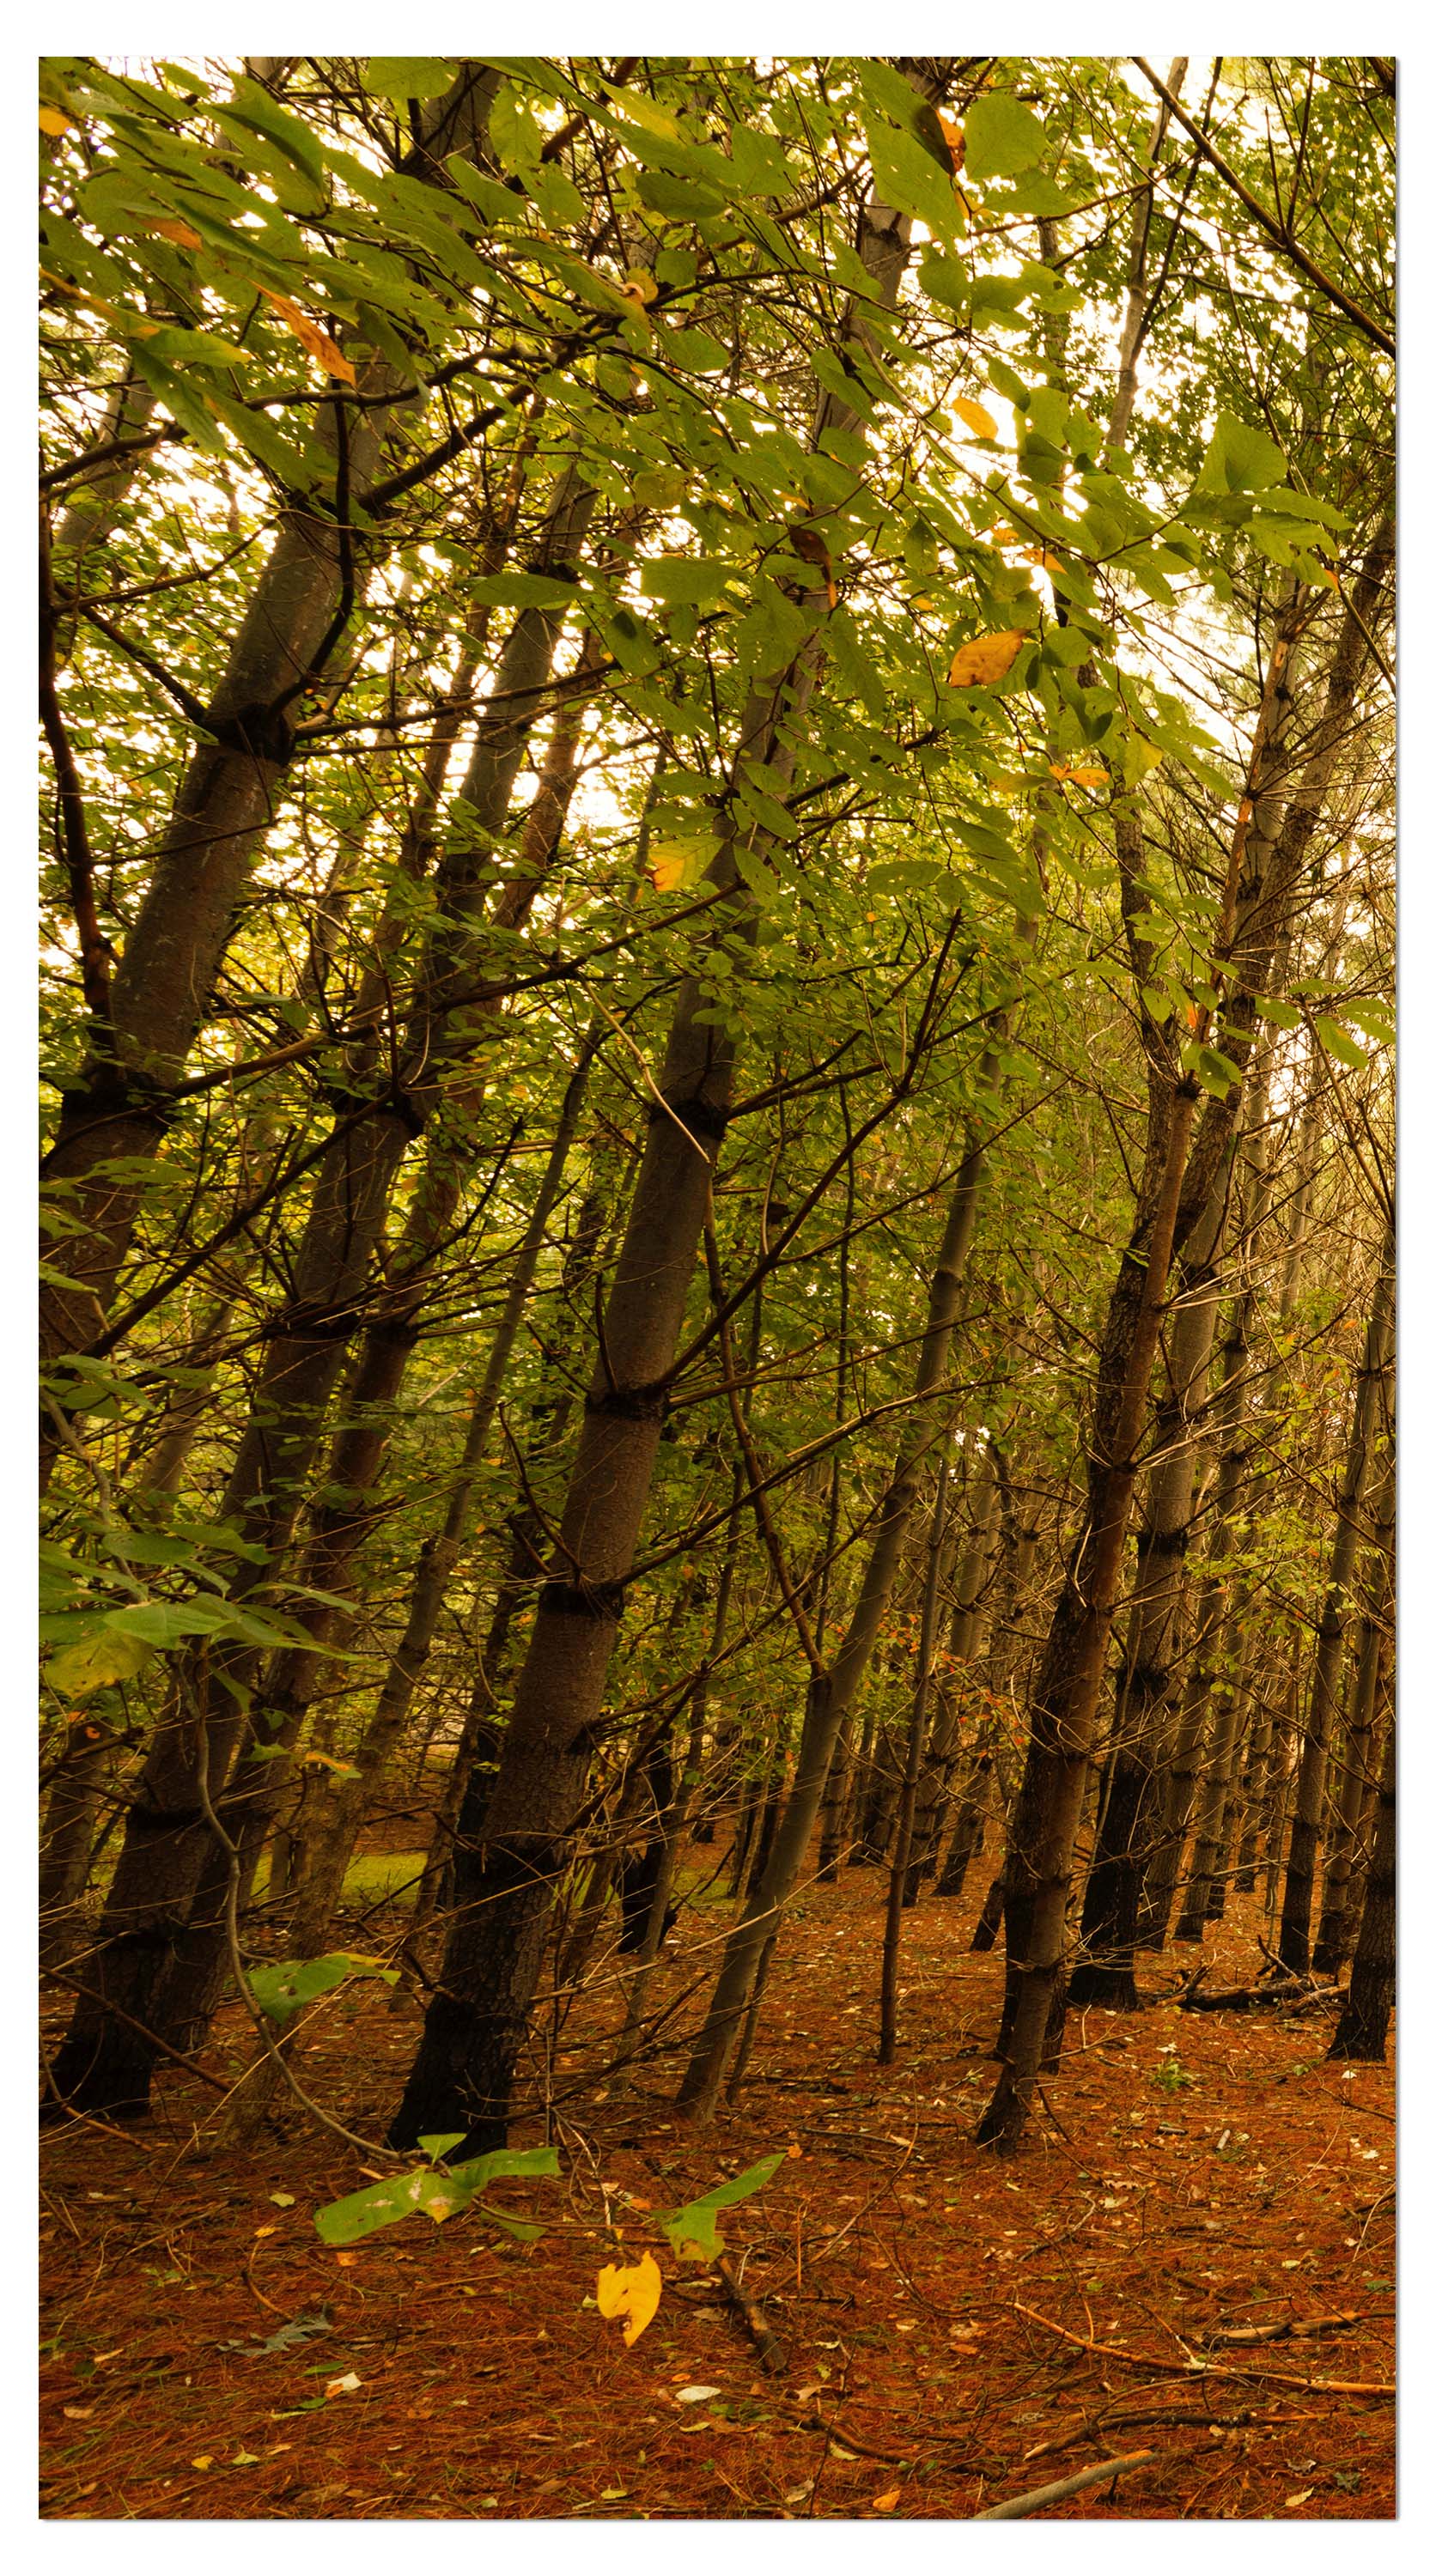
column 1271, row 225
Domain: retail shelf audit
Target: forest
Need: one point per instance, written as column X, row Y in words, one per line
column 717, row 959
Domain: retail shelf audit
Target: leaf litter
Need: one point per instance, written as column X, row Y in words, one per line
column 959, row 2316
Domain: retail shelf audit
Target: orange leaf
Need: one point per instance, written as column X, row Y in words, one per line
column 631, row 2291
column 1004, row 536
column 317, row 343
column 885, row 2503
column 975, row 415
column 988, row 658
column 52, row 122
column 1079, row 777
column 170, row 228
column 954, row 138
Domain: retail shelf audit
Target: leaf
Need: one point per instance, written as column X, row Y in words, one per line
column 96, row 1661
column 631, row 2291
column 281, row 1986
column 521, row 590
column 674, row 864
column 986, row 659
column 1240, row 459
column 439, row 2141
column 171, row 229
column 980, row 421
column 316, row 342
column 438, row 2195
column 344, row 2387
column 694, row 2226
column 697, row 2396
column 407, row 76
column 1079, row 777
column 1003, row 137
column 885, row 2503
column 52, row 122
column 282, row 2199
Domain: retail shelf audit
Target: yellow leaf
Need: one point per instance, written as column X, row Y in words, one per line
column 953, row 137
column 1079, row 777
column 977, row 418
column 52, row 122
column 205, row 2461
column 885, row 2503
column 677, row 863
column 1004, row 536
column 170, row 228
column 317, row 343
column 1043, row 556
column 986, row 659
column 642, row 283
column 631, row 2291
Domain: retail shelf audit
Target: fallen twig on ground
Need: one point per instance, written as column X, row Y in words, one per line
column 1017, row 2506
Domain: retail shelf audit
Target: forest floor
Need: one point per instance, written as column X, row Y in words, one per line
column 1193, row 2257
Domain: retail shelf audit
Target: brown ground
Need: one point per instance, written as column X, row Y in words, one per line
column 956, row 2330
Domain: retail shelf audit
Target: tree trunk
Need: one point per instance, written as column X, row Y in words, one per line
column 1338, row 1922
column 1293, row 1944
column 1361, row 2031
column 463, row 2075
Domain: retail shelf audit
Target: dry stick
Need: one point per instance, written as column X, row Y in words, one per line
column 1017, row 2506
column 1093, row 2424
column 766, row 2344
column 1209, row 2369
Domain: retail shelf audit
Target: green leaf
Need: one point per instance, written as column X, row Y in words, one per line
column 522, row 590
column 693, row 581
column 694, row 2227
column 406, row 76
column 1240, row 458
column 96, row 1661
column 281, row 1987
column 908, row 177
column 1338, row 1043
column 1003, row 137
column 438, row 2195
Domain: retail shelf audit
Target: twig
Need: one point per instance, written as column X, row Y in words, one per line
column 766, row 2344
column 1033, row 2502
column 1092, row 2426
column 1205, row 2369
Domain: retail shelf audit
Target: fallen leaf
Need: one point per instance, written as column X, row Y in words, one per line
column 344, row 2387
column 79, row 2414
column 1302, row 2496
column 885, row 2503
column 631, row 2291
column 205, row 2461
column 975, row 415
column 978, row 664
column 245, row 2460
column 282, row 2199
column 694, row 2396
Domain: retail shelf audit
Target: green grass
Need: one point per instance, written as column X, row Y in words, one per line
column 375, row 1878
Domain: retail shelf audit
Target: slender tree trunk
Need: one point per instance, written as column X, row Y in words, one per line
column 1361, row 2032
column 1338, row 1920
column 474, row 2031
column 1106, row 1973
column 912, row 1769
column 1293, row 1943
column 114, row 1118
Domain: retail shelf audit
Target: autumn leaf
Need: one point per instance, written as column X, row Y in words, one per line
column 975, row 415
column 311, row 338
column 1078, row 777
column 52, row 122
column 954, row 138
column 986, row 659
column 885, row 2503
column 631, row 2291
column 170, row 228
